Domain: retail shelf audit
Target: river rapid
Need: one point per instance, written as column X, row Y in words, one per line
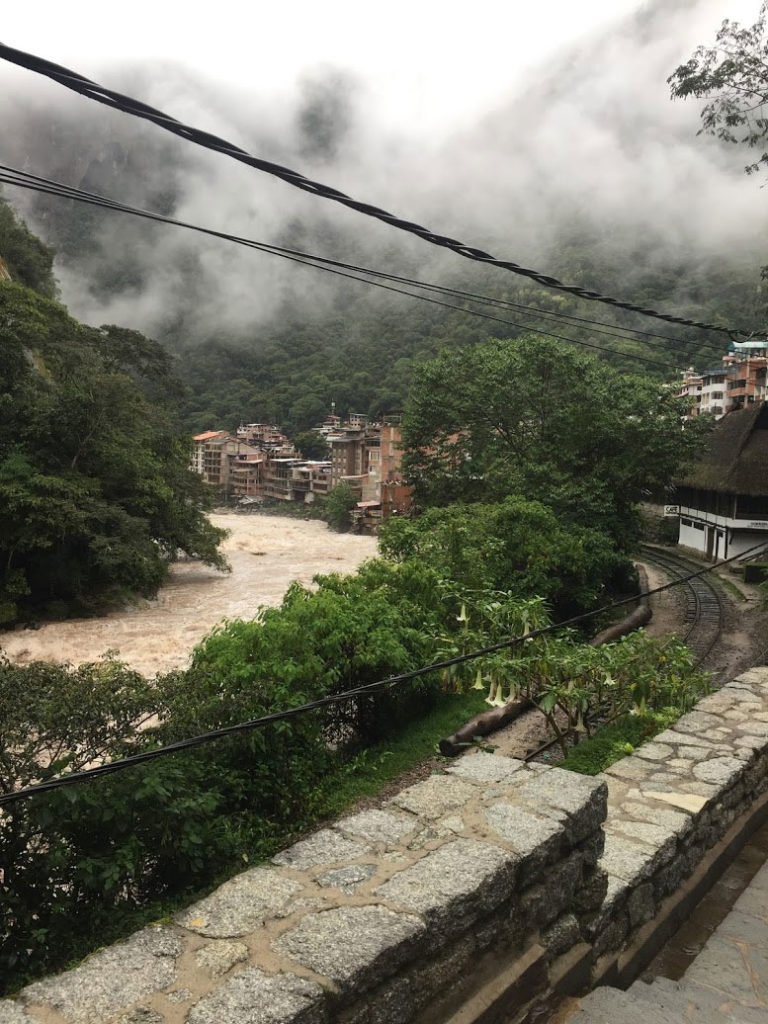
column 266, row 553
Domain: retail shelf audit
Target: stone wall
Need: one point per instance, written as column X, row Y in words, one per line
column 385, row 915
column 673, row 800
column 457, row 900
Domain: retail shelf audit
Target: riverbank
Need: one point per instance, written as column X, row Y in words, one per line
column 266, row 554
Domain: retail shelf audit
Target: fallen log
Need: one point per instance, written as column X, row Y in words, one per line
column 483, row 724
column 641, row 616
column 637, row 618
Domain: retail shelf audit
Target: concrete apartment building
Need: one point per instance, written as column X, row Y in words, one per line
column 213, row 453
column 260, row 462
column 247, row 475
column 396, row 495
column 739, row 382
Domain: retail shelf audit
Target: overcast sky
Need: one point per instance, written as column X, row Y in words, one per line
column 439, row 63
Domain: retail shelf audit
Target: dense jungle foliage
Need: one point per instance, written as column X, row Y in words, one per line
column 95, row 492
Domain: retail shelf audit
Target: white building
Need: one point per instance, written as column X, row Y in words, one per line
column 724, row 500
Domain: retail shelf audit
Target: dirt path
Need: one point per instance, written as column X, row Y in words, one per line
column 266, row 553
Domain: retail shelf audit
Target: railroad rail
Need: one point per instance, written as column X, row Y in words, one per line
column 703, row 603
column 703, row 611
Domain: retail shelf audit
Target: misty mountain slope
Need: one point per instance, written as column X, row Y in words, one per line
column 591, row 174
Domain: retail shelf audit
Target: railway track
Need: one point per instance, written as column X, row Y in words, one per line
column 703, row 603
column 703, row 611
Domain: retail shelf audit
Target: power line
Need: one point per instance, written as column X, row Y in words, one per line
column 92, row 90
column 360, row 691
column 24, row 179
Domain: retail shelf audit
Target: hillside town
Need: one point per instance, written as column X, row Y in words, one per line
column 259, row 462
column 740, row 381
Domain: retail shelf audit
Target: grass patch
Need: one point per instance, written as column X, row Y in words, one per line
column 732, row 589
column 618, row 739
column 366, row 774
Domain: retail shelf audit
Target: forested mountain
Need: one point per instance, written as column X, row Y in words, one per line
column 591, row 176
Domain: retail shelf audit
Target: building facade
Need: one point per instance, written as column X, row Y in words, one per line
column 260, row 462
column 723, row 501
column 739, row 382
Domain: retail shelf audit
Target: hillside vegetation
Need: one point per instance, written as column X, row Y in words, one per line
column 95, row 492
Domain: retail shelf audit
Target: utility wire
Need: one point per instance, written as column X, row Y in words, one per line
column 23, row 179
column 263, row 247
column 92, row 90
column 360, row 691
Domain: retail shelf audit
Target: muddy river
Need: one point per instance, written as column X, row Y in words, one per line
column 266, row 554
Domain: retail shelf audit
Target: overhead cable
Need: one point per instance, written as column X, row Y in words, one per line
column 24, row 179
column 92, row 90
column 361, row 691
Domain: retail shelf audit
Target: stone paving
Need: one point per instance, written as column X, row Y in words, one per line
column 366, row 921
column 674, row 797
column 726, row 984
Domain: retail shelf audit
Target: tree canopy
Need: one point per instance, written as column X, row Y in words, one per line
column 29, row 260
column 95, row 492
column 733, row 76
column 515, row 546
column 538, row 419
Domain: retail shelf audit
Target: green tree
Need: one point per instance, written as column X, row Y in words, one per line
column 311, row 445
column 732, row 76
column 338, row 507
column 29, row 261
column 539, row 419
column 96, row 496
column 75, row 860
column 515, row 546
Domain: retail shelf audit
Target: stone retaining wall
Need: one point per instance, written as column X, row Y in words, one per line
column 672, row 801
column 490, row 874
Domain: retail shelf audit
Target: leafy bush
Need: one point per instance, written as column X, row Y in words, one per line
column 338, row 506
column 576, row 686
column 74, row 858
column 616, row 740
column 516, row 546
column 78, row 861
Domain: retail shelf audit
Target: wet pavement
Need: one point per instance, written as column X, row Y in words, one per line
column 714, row 970
column 684, row 946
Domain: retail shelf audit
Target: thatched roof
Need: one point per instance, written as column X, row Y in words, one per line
column 736, row 460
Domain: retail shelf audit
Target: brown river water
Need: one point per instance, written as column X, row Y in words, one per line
column 266, row 553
